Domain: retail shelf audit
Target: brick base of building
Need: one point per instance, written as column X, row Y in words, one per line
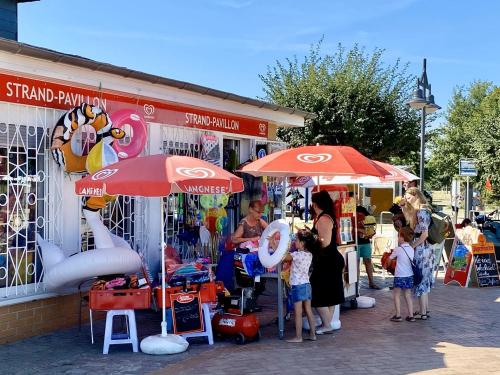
column 27, row 319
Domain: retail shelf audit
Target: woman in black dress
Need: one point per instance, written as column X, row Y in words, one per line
column 328, row 264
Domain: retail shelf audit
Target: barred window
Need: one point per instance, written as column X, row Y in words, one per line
column 24, row 187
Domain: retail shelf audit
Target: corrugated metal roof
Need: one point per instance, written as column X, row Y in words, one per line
column 82, row 62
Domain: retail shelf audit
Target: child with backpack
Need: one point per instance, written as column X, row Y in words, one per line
column 403, row 276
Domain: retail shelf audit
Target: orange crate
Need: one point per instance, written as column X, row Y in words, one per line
column 120, row 299
column 208, row 292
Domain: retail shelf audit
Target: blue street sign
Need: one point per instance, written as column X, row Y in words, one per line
column 467, row 168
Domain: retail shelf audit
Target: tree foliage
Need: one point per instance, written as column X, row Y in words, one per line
column 472, row 131
column 359, row 101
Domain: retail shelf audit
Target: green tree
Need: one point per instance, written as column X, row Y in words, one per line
column 485, row 134
column 359, row 101
column 471, row 131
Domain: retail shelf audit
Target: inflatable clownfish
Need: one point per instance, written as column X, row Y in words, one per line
column 101, row 155
column 85, row 114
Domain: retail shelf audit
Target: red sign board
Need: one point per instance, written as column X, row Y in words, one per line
column 461, row 257
column 459, row 266
column 42, row 93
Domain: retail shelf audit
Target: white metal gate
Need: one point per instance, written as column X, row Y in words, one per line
column 185, row 142
column 30, row 196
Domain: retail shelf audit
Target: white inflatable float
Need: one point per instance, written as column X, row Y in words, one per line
column 267, row 259
column 112, row 255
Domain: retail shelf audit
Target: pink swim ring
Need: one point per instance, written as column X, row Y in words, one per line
column 138, row 128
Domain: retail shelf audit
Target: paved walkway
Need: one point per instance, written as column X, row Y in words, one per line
column 461, row 337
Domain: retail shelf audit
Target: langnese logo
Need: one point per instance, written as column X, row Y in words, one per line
column 314, row 158
column 199, row 172
column 102, row 175
column 149, row 109
column 184, row 298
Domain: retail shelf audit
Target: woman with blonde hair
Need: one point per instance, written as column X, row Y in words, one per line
column 418, row 216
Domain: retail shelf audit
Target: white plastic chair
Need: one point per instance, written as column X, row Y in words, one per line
column 208, row 326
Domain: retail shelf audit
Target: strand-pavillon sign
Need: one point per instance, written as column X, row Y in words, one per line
column 41, row 93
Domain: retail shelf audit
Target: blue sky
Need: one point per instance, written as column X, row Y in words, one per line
column 225, row 44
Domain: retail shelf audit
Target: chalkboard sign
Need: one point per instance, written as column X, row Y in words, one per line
column 485, row 263
column 486, row 269
column 186, row 312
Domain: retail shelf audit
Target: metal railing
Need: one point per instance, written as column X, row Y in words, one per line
column 381, row 220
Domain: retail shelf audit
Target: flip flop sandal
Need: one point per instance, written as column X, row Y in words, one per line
column 396, row 319
column 410, row 319
column 324, row 332
column 419, row 316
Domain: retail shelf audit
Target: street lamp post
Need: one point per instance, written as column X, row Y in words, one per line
column 423, row 99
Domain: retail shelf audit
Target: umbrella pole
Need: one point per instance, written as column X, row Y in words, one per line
column 281, row 317
column 162, row 242
column 306, row 208
column 358, row 263
column 163, row 343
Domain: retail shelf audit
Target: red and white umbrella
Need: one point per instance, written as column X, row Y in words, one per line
column 159, row 176
column 396, row 173
column 318, row 160
column 393, row 174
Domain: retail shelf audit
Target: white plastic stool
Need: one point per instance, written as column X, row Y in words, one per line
column 208, row 326
column 130, row 336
